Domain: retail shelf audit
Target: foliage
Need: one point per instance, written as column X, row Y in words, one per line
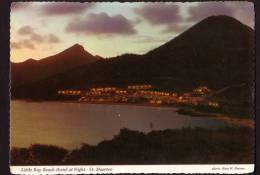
column 184, row 146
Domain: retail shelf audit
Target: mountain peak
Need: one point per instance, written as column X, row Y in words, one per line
column 70, row 58
column 76, row 47
column 222, row 20
column 210, row 32
column 74, row 50
column 220, row 17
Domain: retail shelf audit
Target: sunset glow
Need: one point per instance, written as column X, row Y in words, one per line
column 108, row 29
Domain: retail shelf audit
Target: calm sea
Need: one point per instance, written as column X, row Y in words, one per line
column 70, row 124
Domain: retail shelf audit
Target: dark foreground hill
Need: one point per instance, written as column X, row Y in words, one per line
column 217, row 52
column 177, row 146
column 32, row 70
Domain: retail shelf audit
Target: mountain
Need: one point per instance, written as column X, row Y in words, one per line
column 216, row 52
column 32, row 70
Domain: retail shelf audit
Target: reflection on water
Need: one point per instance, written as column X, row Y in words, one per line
column 69, row 124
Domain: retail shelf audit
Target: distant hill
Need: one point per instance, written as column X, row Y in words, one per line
column 32, row 70
column 216, row 52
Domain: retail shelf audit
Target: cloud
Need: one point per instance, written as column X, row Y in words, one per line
column 26, row 30
column 162, row 14
column 30, row 38
column 34, row 37
column 150, row 39
column 53, row 38
column 64, row 8
column 205, row 9
column 159, row 13
column 15, row 45
column 19, row 6
column 177, row 27
column 23, row 44
column 170, row 17
column 28, row 44
column 101, row 24
column 49, row 38
column 243, row 11
column 37, row 38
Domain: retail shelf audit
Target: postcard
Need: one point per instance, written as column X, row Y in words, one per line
column 133, row 87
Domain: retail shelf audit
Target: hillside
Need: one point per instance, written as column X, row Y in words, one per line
column 32, row 70
column 175, row 146
column 217, row 52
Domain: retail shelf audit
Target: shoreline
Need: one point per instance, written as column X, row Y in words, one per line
column 218, row 116
column 104, row 103
column 188, row 111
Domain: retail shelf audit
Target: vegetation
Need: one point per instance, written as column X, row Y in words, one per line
column 185, row 146
column 38, row 155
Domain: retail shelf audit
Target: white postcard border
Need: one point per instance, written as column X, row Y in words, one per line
column 116, row 169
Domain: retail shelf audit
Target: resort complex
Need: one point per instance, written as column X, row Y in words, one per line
column 141, row 93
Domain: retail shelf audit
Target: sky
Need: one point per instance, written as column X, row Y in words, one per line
column 108, row 29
